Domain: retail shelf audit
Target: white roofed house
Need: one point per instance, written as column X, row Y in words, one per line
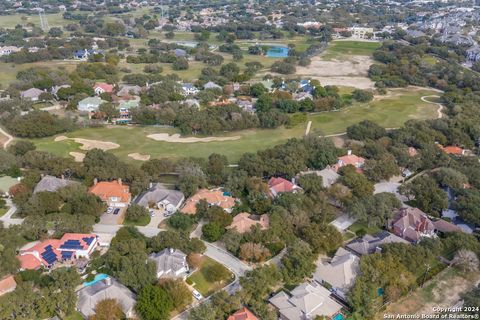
column 90, row 104
column 32, row 94
column 211, row 85
column 189, row 89
column 171, row 263
column 161, row 198
column 109, row 288
column 307, row 301
column 339, row 272
column 7, row 50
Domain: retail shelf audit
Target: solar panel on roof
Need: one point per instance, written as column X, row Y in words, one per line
column 88, row 240
column 66, row 254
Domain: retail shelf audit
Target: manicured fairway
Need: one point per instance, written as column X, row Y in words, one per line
column 391, row 111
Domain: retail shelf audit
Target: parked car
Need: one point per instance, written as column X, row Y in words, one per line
column 116, row 211
column 152, row 212
column 167, row 214
column 197, row 295
column 109, row 210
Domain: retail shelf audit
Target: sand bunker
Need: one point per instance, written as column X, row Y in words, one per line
column 77, row 156
column 91, row 144
column 139, row 157
column 176, row 138
column 350, row 73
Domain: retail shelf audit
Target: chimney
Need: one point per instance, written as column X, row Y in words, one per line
column 95, row 181
column 171, row 250
column 151, row 185
column 108, row 281
column 119, row 181
column 349, row 152
column 62, row 177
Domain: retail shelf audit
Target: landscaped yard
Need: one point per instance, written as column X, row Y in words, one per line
column 389, row 111
column 200, row 282
column 3, row 211
column 142, row 222
column 357, row 226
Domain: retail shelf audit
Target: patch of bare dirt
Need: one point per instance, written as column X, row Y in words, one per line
column 139, row 157
column 88, row 144
column 351, row 73
column 177, row 138
column 77, row 156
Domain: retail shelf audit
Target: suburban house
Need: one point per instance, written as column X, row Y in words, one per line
column 412, row 224
column 161, row 198
column 339, row 272
column 52, row 184
column 109, row 288
column 302, row 96
column 7, row 50
column 90, row 104
column 245, row 105
column 114, row 193
column 180, row 52
column 307, row 301
column 444, row 226
column 128, row 90
column 211, row 85
column 349, row 159
column 372, row 243
column 83, row 54
column 280, row 185
column 214, row 197
column 32, row 94
column 171, row 263
column 189, row 89
column 243, row 314
column 70, row 247
column 124, row 107
column 455, row 150
column 7, row 284
column 102, row 87
column 243, row 222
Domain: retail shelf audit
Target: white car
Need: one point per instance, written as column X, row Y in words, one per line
column 197, row 295
column 152, row 213
column 109, row 210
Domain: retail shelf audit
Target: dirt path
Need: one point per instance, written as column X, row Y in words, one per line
column 309, row 125
column 9, row 138
column 77, row 156
column 139, row 157
column 440, row 106
column 177, row 138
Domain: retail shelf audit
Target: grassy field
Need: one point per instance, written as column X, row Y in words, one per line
column 201, row 284
column 337, row 49
column 9, row 70
column 54, row 20
column 142, row 222
column 390, row 111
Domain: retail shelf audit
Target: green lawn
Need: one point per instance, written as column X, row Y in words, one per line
column 3, row 211
column 336, row 49
column 362, row 226
column 389, row 112
column 74, row 316
column 201, row 284
column 6, row 182
column 54, row 20
column 142, row 222
column 9, row 70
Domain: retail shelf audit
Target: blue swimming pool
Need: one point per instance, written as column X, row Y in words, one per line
column 338, row 317
column 98, row 277
column 277, row 52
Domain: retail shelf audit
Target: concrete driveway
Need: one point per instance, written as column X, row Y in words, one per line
column 157, row 218
column 390, row 187
column 113, row 219
column 7, row 217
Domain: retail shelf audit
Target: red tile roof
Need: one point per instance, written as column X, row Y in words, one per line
column 105, row 86
column 7, row 284
column 412, row 152
column 453, row 150
column 445, row 226
column 29, row 262
column 243, row 314
column 349, row 159
column 108, row 189
column 279, row 185
column 243, row 222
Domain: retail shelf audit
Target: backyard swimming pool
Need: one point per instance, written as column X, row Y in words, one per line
column 277, row 52
column 98, row 277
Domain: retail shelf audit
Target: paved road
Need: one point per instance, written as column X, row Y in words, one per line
column 112, row 229
column 7, row 217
